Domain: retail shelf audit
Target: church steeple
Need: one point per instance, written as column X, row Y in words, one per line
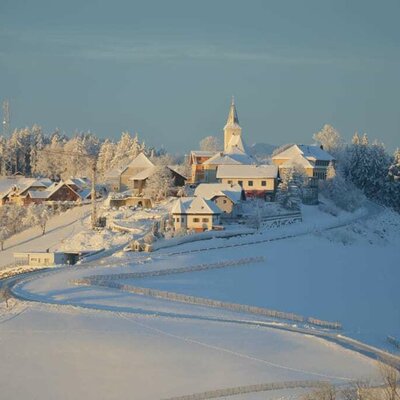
column 232, row 127
column 232, row 116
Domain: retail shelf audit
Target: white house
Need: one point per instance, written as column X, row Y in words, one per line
column 195, row 213
column 227, row 197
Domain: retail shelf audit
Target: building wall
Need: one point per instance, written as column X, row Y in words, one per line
column 64, row 194
column 40, row 259
column 270, row 183
column 200, row 222
column 225, row 205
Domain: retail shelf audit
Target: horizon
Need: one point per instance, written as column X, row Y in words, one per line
column 168, row 72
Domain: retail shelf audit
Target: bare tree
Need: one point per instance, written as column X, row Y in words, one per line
column 5, row 294
column 325, row 392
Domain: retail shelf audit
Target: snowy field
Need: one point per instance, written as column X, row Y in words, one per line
column 68, row 353
column 325, row 267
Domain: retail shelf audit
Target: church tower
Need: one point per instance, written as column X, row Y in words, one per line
column 232, row 127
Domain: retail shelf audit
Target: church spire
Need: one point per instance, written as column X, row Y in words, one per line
column 232, row 116
column 232, row 127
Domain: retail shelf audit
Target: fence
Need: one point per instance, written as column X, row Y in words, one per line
column 110, row 281
column 263, row 387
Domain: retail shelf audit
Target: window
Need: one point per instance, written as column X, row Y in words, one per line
column 177, row 220
column 196, row 220
column 230, row 182
column 250, row 183
column 263, row 183
column 205, row 219
column 240, row 183
column 224, row 201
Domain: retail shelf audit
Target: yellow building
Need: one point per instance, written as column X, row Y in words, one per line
column 314, row 159
column 256, row 180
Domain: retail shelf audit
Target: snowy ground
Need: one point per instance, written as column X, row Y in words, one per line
column 93, row 342
column 60, row 228
column 68, row 353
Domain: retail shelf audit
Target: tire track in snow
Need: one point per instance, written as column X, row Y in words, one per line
column 234, row 353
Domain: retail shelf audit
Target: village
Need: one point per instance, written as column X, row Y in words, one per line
column 213, row 193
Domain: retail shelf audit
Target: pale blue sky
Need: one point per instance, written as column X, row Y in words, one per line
column 167, row 69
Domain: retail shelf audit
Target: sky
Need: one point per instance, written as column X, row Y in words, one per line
column 167, row 69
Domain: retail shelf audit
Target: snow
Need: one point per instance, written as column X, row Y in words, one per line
column 96, row 342
column 310, row 152
column 211, row 190
column 64, row 353
column 247, row 171
column 194, row 205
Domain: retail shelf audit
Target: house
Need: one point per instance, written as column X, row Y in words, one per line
column 58, row 191
column 135, row 174
column 227, row 197
column 132, row 176
column 14, row 188
column 204, row 164
column 43, row 259
column 256, row 180
column 195, row 213
column 314, row 159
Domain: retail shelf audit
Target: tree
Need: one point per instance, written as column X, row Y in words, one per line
column 5, row 293
column 4, row 235
column 325, row 392
column 330, row 139
column 160, row 183
column 288, row 194
column 210, row 143
column 37, row 215
column 394, row 169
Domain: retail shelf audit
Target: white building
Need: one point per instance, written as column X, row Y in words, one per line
column 195, row 213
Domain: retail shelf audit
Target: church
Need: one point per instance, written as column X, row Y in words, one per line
column 204, row 164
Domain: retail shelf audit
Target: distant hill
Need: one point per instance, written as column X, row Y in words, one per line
column 262, row 150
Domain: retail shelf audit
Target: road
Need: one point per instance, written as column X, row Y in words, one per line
column 59, row 228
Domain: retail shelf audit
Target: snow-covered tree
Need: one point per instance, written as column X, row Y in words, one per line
column 210, row 143
column 4, row 235
column 342, row 193
column 106, row 156
column 159, row 184
column 288, row 193
column 330, row 139
column 394, row 169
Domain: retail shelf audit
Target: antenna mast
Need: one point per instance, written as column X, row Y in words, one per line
column 6, row 118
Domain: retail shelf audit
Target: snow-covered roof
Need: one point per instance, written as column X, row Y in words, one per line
column 310, row 152
column 296, row 160
column 79, row 182
column 142, row 175
column 202, row 153
column 45, row 194
column 38, row 194
column 236, row 156
column 174, row 168
column 194, row 205
column 21, row 184
column 247, row 171
column 141, row 161
column 85, row 193
column 211, row 190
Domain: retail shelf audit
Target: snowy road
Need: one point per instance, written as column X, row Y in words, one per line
column 59, row 228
